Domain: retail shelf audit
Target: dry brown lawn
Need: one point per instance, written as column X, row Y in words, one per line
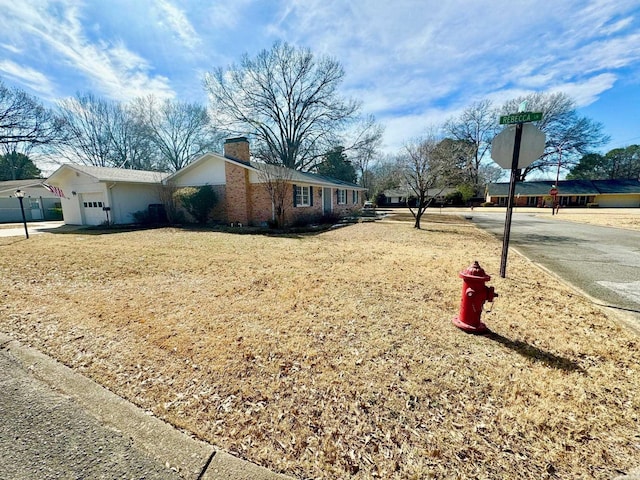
column 621, row 218
column 333, row 355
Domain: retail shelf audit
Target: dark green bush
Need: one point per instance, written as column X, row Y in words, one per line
column 54, row 213
column 141, row 217
column 197, row 201
column 454, row 198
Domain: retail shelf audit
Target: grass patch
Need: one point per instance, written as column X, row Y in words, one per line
column 332, row 355
column 604, row 218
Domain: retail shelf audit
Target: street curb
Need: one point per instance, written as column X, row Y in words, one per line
column 625, row 319
column 191, row 458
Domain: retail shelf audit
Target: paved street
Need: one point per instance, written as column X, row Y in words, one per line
column 603, row 262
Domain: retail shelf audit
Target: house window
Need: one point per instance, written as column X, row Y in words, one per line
column 355, row 197
column 302, row 196
column 342, row 196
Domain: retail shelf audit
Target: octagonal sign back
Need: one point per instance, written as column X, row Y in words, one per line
column 531, row 146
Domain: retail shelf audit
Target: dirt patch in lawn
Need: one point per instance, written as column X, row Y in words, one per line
column 333, row 355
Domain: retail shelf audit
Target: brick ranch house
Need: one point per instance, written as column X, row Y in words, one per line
column 93, row 194
column 571, row 193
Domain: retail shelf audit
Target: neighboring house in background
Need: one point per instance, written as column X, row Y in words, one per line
column 39, row 202
column 238, row 182
column 397, row 197
column 571, row 193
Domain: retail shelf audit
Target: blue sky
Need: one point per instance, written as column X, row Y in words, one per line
column 413, row 64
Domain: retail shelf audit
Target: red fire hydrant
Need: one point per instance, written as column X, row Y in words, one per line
column 474, row 294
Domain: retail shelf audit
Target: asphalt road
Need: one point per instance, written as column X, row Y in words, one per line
column 603, row 262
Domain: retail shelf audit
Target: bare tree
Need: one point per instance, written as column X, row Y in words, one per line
column 569, row 136
column 131, row 147
column 167, row 192
column 277, row 181
column 384, row 174
column 24, row 122
column 287, row 99
column 476, row 127
column 180, row 131
column 87, row 130
column 365, row 148
column 425, row 171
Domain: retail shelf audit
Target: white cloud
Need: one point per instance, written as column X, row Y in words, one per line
column 11, row 48
column 411, row 63
column 30, row 77
column 415, row 63
column 179, row 24
column 57, row 29
column 587, row 92
column 227, row 15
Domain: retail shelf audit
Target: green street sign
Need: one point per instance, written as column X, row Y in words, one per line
column 521, row 117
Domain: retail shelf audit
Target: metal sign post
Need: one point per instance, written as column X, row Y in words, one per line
column 512, row 191
column 506, row 151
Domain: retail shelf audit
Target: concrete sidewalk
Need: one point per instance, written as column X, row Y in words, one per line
column 56, row 423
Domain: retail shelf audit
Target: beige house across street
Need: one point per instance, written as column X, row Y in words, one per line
column 95, row 195
column 623, row 193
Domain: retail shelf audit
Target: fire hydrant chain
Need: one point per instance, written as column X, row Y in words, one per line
column 475, row 293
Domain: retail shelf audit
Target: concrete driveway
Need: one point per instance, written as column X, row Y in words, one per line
column 34, row 228
column 602, row 262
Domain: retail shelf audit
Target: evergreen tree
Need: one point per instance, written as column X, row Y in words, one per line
column 336, row 164
column 17, row 166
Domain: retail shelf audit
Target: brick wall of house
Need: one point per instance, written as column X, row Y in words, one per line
column 261, row 211
column 250, row 204
column 311, row 213
column 350, row 206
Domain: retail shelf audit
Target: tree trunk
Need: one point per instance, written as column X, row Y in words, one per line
column 418, row 217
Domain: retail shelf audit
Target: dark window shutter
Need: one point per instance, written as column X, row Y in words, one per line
column 294, row 195
column 311, row 196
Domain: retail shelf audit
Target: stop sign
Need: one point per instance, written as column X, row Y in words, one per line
column 531, row 146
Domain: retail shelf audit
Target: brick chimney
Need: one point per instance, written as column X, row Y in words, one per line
column 237, row 188
column 237, row 148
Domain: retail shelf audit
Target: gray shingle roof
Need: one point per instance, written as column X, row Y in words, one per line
column 107, row 174
column 617, row 186
column 567, row 187
column 302, row 177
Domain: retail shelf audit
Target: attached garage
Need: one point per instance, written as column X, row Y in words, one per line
column 91, row 206
column 88, row 190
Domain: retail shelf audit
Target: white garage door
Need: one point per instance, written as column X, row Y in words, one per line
column 91, row 205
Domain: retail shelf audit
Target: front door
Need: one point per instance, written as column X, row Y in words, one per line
column 327, row 206
column 36, row 209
